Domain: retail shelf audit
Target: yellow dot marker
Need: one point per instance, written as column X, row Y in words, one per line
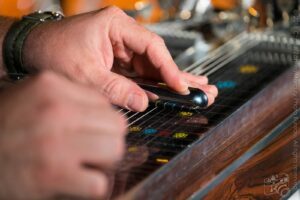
column 134, row 129
column 180, row 135
column 248, row 69
column 132, row 149
column 185, row 114
column 162, row 160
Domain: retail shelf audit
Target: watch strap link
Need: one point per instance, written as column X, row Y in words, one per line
column 13, row 45
column 15, row 39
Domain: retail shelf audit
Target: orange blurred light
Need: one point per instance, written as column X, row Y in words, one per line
column 16, row 8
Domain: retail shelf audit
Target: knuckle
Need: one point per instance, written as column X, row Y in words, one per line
column 44, row 169
column 99, row 187
column 112, row 89
column 45, row 143
column 114, row 10
column 214, row 89
column 156, row 38
column 49, row 108
column 131, row 19
column 205, row 79
column 98, row 97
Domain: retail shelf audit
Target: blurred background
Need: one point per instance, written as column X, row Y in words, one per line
column 191, row 28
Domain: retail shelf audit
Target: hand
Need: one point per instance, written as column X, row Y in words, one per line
column 98, row 48
column 50, row 131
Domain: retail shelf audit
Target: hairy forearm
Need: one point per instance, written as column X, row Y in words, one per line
column 5, row 23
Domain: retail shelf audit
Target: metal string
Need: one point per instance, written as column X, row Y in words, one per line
column 266, row 68
column 142, row 117
column 174, row 129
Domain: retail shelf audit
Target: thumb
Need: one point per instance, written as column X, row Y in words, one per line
column 123, row 92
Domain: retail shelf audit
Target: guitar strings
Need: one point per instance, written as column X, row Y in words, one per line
column 216, row 53
column 145, row 138
column 143, row 116
column 131, row 180
column 237, row 81
column 264, row 68
column 212, row 55
column 150, row 125
column 140, row 170
column 155, row 122
column 200, row 66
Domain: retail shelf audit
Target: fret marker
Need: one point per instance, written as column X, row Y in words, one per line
column 226, row 84
column 150, row 131
column 248, row 69
column 132, row 149
column 185, row 114
column 180, row 135
column 164, row 133
column 135, row 129
column 162, row 160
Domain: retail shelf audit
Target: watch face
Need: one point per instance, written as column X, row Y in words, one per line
column 286, row 5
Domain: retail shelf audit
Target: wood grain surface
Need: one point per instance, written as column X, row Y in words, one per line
column 268, row 175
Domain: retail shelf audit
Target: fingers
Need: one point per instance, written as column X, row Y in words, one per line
column 194, row 80
column 123, row 55
column 100, row 140
column 81, row 182
column 144, row 42
column 66, row 127
column 151, row 57
column 99, row 143
column 58, row 86
column 211, row 91
column 201, row 82
column 123, row 92
column 99, row 150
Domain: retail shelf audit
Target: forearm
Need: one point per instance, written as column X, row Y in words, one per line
column 5, row 23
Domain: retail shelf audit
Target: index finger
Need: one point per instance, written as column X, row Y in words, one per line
column 143, row 42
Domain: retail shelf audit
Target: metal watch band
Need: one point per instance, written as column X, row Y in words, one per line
column 15, row 38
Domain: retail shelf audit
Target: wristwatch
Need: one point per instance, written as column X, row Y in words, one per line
column 15, row 38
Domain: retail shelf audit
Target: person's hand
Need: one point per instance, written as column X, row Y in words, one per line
column 53, row 134
column 96, row 48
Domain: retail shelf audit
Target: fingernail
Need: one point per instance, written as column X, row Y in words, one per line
column 135, row 102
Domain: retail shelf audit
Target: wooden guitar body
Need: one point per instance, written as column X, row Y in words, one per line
column 180, row 154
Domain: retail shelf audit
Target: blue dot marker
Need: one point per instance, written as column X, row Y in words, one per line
column 150, row 131
column 226, row 84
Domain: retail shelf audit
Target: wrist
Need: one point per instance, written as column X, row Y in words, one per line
column 14, row 42
column 35, row 48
